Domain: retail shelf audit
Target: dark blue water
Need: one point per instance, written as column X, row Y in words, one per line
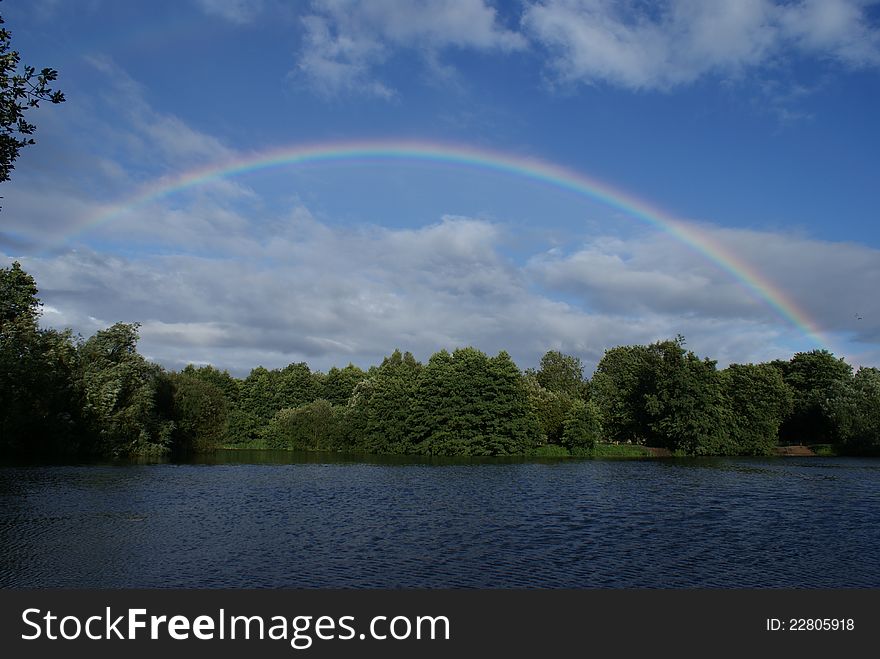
column 783, row 522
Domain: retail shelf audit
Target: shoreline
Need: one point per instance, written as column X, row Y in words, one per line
column 601, row 451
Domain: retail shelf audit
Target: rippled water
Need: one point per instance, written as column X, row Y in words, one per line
column 282, row 520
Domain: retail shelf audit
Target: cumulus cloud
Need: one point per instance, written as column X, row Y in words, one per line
column 328, row 295
column 652, row 273
column 89, row 166
column 829, row 283
column 345, row 40
column 646, row 46
column 216, row 276
column 832, row 283
column 634, row 45
column 151, row 134
column 333, row 63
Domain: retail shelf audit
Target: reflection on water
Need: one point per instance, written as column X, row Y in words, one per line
column 279, row 519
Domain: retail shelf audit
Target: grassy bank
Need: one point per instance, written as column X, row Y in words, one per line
column 600, row 450
column 607, row 450
column 603, row 450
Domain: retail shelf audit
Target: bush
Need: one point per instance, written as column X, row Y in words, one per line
column 310, row 427
column 200, row 414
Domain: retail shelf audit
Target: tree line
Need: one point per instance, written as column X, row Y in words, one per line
column 61, row 395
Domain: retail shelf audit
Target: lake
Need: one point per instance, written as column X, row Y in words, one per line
column 278, row 519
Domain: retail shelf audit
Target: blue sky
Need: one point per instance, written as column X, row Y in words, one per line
column 752, row 120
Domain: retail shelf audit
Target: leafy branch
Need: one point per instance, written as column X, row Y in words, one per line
column 20, row 90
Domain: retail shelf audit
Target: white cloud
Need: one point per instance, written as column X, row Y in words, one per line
column 650, row 274
column 149, row 133
column 627, row 43
column 247, row 285
column 836, row 27
column 90, row 166
column 645, row 46
column 832, row 283
column 326, row 295
column 334, row 62
column 829, row 283
column 346, row 40
column 436, row 23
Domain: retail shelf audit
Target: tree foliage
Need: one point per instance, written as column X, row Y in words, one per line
column 311, row 427
column 818, row 381
column 622, row 380
column 471, row 404
column 339, row 384
column 60, row 394
column 379, row 410
column 263, row 393
column 856, row 413
column 552, row 390
column 663, row 395
column 19, row 304
column 562, row 374
column 582, row 428
column 759, row 401
column 685, row 410
column 126, row 400
column 222, row 380
column 39, row 402
column 199, row 413
column 548, row 407
column 22, row 88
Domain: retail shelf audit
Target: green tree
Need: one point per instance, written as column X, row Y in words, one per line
column 19, row 304
column 256, row 406
column 662, row 395
column 818, row 379
column 685, row 408
column 548, row 407
column 622, row 380
column 125, row 397
column 582, row 428
column 240, row 425
column 199, row 413
column 553, row 389
column 378, row 412
column 257, row 393
column 562, row 374
column 339, row 384
column 294, row 386
column 471, row 404
column 263, row 393
column 758, row 402
column 227, row 384
column 39, row 401
column 21, row 89
column 313, row 426
column 856, row 413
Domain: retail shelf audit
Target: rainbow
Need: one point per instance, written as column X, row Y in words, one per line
column 467, row 156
